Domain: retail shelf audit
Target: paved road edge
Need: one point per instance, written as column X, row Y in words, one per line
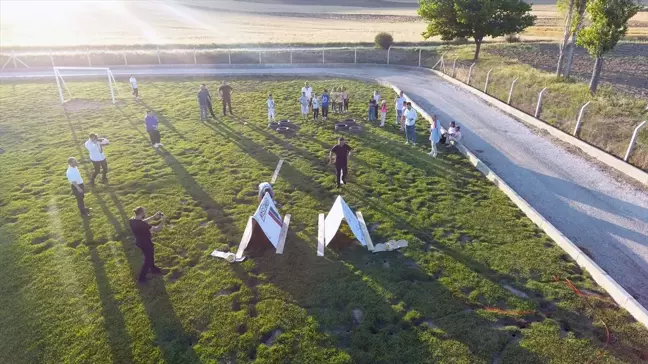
column 618, row 293
column 602, row 156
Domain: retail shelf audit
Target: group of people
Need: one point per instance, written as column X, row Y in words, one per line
column 310, row 102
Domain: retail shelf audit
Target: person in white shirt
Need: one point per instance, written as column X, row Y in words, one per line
column 74, row 176
column 456, row 136
column 410, row 124
column 308, row 90
column 133, row 83
column 263, row 188
column 271, row 108
column 95, row 145
column 445, row 138
column 304, row 101
column 400, row 103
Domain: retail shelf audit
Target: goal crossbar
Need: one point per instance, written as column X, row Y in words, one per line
column 60, row 81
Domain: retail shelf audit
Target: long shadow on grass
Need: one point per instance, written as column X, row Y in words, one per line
column 118, row 337
column 176, row 345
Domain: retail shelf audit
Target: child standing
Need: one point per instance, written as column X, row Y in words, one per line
column 325, row 104
column 271, row 109
column 383, row 112
column 304, row 101
column 334, row 103
column 315, row 103
column 372, row 110
column 345, row 99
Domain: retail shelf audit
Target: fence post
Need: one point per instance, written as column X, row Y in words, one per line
column 511, row 91
column 580, row 117
column 229, row 55
column 259, row 57
column 322, row 56
column 454, row 66
column 420, row 49
column 158, row 54
column 487, row 81
column 51, row 58
column 355, row 55
column 194, row 52
column 634, row 139
column 88, row 55
column 290, row 55
column 13, row 58
column 125, row 59
column 470, row 73
column 539, row 106
column 388, row 49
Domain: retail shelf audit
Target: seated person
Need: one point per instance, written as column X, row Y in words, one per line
column 263, row 188
column 451, row 130
column 456, row 136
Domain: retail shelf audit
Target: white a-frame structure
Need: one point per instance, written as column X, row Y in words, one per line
column 90, row 71
column 329, row 226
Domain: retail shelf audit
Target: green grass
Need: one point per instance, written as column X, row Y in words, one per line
column 608, row 122
column 68, row 284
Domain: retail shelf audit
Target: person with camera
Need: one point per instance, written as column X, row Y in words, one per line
column 95, row 145
column 142, row 230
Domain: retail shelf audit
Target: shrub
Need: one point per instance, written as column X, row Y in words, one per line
column 384, row 40
column 512, row 38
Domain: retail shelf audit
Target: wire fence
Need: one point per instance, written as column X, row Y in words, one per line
column 626, row 141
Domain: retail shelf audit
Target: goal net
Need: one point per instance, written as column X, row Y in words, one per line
column 63, row 89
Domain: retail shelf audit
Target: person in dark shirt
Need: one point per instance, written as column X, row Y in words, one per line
column 342, row 152
column 142, row 230
column 204, row 101
column 226, row 95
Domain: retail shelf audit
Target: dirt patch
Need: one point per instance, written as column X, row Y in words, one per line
column 625, row 68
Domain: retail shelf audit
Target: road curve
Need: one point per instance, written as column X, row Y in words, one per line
column 600, row 213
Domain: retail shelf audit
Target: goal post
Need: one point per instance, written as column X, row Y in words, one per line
column 83, row 71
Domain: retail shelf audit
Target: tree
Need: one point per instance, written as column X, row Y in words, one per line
column 565, row 6
column 453, row 19
column 608, row 24
column 577, row 24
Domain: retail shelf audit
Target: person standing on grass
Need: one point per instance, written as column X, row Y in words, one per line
column 435, row 135
column 152, row 129
column 204, row 102
column 315, row 103
column 333, row 97
column 403, row 116
column 271, row 108
column 225, row 92
column 95, row 145
column 308, row 91
column 304, row 101
column 376, row 97
column 410, row 124
column 142, row 230
column 400, row 103
column 74, row 176
column 342, row 152
column 325, row 104
column 371, row 112
column 133, row 83
column 383, row 112
column 345, row 100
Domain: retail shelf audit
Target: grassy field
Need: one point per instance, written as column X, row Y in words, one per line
column 479, row 283
column 608, row 122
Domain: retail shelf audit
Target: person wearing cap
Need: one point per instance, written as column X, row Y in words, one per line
column 342, row 152
column 74, row 177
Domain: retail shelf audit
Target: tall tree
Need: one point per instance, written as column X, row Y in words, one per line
column 577, row 24
column 608, row 24
column 566, row 7
column 474, row 19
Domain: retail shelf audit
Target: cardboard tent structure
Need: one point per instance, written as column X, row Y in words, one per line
column 268, row 219
column 329, row 225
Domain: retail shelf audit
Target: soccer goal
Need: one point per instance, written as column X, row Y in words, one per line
column 83, row 71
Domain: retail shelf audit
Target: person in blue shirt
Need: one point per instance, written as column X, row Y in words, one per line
column 325, row 104
column 372, row 110
column 152, row 128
